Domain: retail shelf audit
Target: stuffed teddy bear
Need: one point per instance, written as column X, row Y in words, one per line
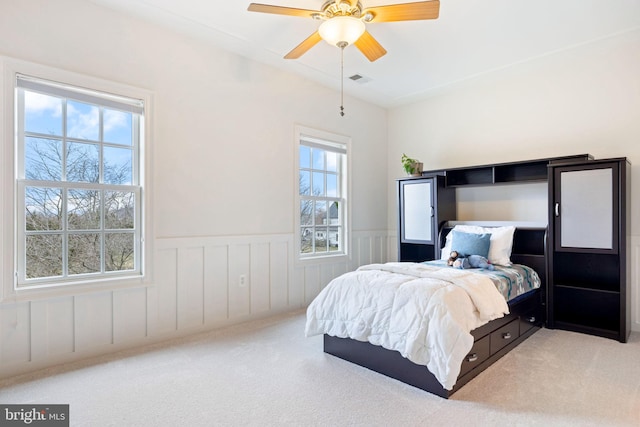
column 471, row 261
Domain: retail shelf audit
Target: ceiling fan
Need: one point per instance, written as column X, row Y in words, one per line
column 344, row 22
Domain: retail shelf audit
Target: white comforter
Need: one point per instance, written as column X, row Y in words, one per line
column 424, row 312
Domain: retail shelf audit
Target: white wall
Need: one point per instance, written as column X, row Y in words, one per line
column 223, row 185
column 582, row 100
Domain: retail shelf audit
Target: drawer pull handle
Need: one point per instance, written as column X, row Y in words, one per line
column 506, row 336
column 531, row 319
column 472, row 357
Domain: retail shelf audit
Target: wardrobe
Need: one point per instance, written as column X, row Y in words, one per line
column 587, row 251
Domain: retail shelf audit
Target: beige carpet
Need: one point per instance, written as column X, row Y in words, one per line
column 266, row 373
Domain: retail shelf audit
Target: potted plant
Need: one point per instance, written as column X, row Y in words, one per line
column 411, row 166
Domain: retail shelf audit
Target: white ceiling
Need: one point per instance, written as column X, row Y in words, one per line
column 469, row 38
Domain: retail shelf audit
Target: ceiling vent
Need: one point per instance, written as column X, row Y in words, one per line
column 359, row 78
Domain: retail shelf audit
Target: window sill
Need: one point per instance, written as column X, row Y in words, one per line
column 323, row 259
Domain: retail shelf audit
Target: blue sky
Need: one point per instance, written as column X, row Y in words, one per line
column 318, row 160
column 44, row 114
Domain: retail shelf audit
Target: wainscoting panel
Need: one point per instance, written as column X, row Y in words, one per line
column 260, row 276
column 53, row 327
column 298, row 291
column 129, row 315
column 191, row 298
column 216, row 284
column 239, row 291
column 15, row 333
column 166, row 291
column 200, row 283
column 392, row 246
column 311, row 279
column 93, row 320
column 282, row 289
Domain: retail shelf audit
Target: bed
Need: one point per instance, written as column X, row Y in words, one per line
column 458, row 330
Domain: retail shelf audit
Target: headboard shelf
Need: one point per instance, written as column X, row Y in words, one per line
column 503, row 173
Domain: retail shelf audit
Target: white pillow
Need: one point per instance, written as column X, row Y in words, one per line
column 499, row 249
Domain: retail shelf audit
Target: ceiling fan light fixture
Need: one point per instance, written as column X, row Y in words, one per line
column 341, row 29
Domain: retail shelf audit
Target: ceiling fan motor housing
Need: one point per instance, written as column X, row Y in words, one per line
column 341, row 8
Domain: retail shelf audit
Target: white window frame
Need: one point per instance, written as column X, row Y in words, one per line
column 14, row 286
column 330, row 142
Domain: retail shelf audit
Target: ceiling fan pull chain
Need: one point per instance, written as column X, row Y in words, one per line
column 342, row 79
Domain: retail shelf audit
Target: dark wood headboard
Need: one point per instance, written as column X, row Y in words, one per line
column 529, row 247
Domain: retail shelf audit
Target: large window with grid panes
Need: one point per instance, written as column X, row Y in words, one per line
column 78, row 184
column 322, row 196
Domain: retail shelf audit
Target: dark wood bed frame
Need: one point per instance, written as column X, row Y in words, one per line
column 491, row 341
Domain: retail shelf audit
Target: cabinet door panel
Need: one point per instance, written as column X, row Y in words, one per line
column 586, row 208
column 417, row 212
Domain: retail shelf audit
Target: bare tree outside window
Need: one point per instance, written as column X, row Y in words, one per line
column 44, row 211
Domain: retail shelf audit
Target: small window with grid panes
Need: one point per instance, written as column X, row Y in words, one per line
column 322, row 197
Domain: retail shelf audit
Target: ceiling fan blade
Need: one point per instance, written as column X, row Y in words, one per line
column 281, row 10
column 303, row 47
column 370, row 47
column 405, row 11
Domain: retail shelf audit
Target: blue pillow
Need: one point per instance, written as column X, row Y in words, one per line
column 470, row 243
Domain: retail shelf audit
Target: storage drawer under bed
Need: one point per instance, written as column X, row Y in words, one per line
column 504, row 335
column 493, row 342
column 478, row 354
column 528, row 321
